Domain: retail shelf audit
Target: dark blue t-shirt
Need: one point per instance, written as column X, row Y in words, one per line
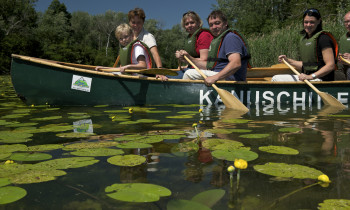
column 233, row 44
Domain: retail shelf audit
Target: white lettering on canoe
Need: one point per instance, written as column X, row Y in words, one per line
column 298, row 99
column 341, row 99
column 203, row 97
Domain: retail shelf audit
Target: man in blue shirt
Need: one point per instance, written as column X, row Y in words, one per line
column 228, row 54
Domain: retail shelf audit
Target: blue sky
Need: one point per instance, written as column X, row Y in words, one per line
column 168, row 12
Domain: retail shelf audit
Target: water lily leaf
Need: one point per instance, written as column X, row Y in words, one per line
column 93, row 152
column 137, row 192
column 230, row 146
column 129, row 123
column 8, row 170
column 126, row 160
column 163, row 125
column 74, row 135
column 188, row 112
column 241, row 131
column 11, row 194
column 78, row 117
column 14, row 137
column 220, row 131
column 21, row 125
column 64, row 163
column 339, row 204
column 77, row 113
column 22, row 110
column 14, row 116
column 134, row 145
column 156, row 111
column 212, row 143
column 4, row 155
column 288, row 170
column 254, row 136
column 290, row 130
column 148, row 121
column 89, row 145
column 279, row 150
column 159, row 138
column 44, row 147
column 185, row 147
column 236, row 121
column 231, row 155
column 4, row 182
column 55, row 128
column 47, row 118
column 100, row 106
column 209, row 197
column 185, row 205
column 129, row 137
column 116, row 111
column 12, row 148
column 36, row 176
column 30, row 156
column 4, row 122
column 180, row 117
column 339, row 115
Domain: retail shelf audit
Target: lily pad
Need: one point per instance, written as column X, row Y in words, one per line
column 65, row 163
column 339, row 204
column 9, row 170
column 290, row 130
column 4, row 182
column 74, row 135
column 231, row 155
column 4, row 122
column 93, row 152
column 11, row 194
column 46, row 118
column 163, row 125
column 30, row 156
column 137, row 192
column 148, row 121
column 134, row 145
column 55, row 128
column 44, row 147
column 288, row 170
column 220, row 131
column 89, row 145
column 209, row 197
column 15, row 125
column 212, row 143
column 255, row 136
column 4, row 155
column 279, row 150
column 36, row 176
column 126, row 160
column 180, row 117
column 12, row 148
column 14, row 137
column 185, row 205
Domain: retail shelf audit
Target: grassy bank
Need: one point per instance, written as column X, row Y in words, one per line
column 266, row 48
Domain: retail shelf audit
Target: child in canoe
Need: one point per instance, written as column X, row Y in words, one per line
column 133, row 53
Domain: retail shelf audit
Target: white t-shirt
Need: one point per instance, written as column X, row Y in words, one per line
column 138, row 51
column 147, row 38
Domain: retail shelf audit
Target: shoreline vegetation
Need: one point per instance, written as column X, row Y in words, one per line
column 79, row 37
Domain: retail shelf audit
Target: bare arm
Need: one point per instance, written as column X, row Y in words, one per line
column 231, row 68
column 328, row 58
column 156, row 57
column 296, row 64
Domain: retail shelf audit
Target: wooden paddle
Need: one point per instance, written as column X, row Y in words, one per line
column 343, row 59
column 229, row 100
column 140, row 71
column 326, row 98
column 116, row 61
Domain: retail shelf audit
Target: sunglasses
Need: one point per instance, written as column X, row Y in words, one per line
column 189, row 12
column 312, row 12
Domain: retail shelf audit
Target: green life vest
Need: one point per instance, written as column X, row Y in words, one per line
column 215, row 48
column 308, row 51
column 190, row 42
column 344, row 44
column 125, row 53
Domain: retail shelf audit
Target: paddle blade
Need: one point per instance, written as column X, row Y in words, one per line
column 231, row 101
column 330, row 100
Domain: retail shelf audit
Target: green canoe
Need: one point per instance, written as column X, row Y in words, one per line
column 38, row 81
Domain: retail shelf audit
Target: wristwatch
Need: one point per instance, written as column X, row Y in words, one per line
column 313, row 76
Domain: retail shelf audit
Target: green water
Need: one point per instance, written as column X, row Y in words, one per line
column 323, row 143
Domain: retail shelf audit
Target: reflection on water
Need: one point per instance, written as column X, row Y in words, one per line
column 322, row 140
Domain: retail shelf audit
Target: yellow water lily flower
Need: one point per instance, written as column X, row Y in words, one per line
column 32, row 105
column 230, row 169
column 131, row 110
column 194, row 125
column 323, row 178
column 200, row 110
column 9, row 161
column 240, row 164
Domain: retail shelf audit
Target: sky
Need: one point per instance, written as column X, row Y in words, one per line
column 167, row 12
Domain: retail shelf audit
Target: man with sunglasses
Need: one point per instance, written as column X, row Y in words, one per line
column 228, row 54
column 344, row 46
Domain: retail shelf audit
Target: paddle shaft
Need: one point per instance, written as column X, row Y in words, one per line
column 343, row 59
column 297, row 73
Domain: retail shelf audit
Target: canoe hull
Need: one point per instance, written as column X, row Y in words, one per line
column 38, row 83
